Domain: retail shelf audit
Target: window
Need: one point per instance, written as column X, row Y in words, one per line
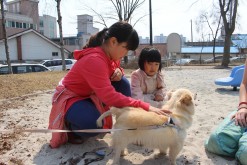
column 37, row 68
column 67, row 62
column 21, row 69
column 13, row 24
column 4, row 70
column 47, row 63
column 41, row 23
column 34, row 26
column 24, row 25
column 54, row 53
column 17, row 25
column 8, row 24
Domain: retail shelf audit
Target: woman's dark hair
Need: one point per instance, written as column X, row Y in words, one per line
column 122, row 31
column 149, row 55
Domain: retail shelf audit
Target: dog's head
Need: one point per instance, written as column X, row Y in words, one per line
column 182, row 99
column 182, row 106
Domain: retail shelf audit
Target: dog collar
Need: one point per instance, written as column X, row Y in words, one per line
column 170, row 123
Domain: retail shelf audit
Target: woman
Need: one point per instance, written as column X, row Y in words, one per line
column 230, row 138
column 87, row 89
column 147, row 83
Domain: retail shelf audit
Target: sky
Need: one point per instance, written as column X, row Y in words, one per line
column 168, row 16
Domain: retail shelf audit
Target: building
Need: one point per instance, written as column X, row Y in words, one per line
column 48, row 26
column 202, row 53
column 161, row 46
column 84, row 32
column 20, row 15
column 85, row 28
column 145, row 40
column 240, row 41
column 160, row 39
column 30, row 45
column 70, row 43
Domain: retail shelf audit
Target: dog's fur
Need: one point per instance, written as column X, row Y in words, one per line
column 181, row 103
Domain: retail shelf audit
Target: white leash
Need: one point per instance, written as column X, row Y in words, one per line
column 169, row 124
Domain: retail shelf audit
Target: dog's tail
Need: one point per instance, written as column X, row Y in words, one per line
column 113, row 110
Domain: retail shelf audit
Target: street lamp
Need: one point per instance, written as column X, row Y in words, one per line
column 150, row 23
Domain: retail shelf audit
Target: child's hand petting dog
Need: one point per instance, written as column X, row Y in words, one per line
column 159, row 111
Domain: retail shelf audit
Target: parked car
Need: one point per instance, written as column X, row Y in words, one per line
column 185, row 61
column 56, row 64
column 237, row 59
column 217, row 59
column 23, row 68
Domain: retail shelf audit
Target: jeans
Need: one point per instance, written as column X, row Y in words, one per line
column 83, row 113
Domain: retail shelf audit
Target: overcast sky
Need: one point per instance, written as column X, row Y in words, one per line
column 169, row 16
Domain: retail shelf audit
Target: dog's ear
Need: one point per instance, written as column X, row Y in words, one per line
column 169, row 94
column 185, row 99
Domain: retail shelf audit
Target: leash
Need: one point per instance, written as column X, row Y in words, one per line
column 170, row 123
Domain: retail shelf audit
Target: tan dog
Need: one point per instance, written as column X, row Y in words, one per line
column 163, row 138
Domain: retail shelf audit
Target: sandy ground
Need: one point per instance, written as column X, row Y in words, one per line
column 32, row 111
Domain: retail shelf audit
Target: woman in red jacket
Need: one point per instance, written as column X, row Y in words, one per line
column 95, row 83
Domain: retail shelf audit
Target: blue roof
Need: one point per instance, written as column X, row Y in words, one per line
column 207, row 49
column 239, row 40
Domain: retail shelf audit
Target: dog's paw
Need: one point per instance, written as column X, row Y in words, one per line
column 159, row 155
column 124, row 152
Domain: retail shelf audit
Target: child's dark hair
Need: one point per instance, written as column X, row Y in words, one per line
column 149, row 55
column 122, row 31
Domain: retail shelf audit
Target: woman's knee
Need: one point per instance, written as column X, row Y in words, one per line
column 122, row 86
column 241, row 154
column 83, row 114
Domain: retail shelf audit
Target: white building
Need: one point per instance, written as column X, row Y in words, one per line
column 30, row 45
column 48, row 26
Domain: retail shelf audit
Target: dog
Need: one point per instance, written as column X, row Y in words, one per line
column 138, row 125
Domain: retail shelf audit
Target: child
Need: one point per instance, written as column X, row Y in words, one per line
column 147, row 82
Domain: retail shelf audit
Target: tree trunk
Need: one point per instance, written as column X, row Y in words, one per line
column 59, row 21
column 214, row 49
column 125, row 11
column 228, row 10
column 227, row 46
column 5, row 39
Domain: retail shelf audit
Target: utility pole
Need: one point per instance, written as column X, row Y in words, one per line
column 191, row 30
column 150, row 22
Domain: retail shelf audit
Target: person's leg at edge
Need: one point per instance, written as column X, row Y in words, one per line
column 224, row 139
column 82, row 115
column 242, row 150
column 122, row 86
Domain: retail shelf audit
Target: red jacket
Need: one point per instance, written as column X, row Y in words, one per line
column 91, row 74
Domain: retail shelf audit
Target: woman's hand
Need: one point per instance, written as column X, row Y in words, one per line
column 158, row 98
column 117, row 75
column 160, row 111
column 241, row 117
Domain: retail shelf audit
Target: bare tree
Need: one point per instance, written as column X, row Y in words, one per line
column 5, row 37
column 59, row 21
column 228, row 10
column 200, row 29
column 211, row 20
column 125, row 10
